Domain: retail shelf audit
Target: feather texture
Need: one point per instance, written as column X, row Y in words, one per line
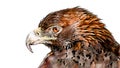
column 83, row 42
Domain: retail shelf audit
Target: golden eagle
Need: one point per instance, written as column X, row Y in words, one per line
column 77, row 39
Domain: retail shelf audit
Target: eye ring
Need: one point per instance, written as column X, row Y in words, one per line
column 56, row 29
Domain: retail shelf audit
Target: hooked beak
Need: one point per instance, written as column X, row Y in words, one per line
column 37, row 37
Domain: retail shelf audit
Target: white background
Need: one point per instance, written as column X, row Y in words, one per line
column 19, row 17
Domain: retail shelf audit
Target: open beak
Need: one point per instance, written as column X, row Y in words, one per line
column 37, row 37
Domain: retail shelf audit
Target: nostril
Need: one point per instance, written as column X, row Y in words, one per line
column 30, row 43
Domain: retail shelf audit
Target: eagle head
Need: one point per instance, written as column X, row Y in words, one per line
column 72, row 28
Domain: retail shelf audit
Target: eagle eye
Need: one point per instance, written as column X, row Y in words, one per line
column 56, row 29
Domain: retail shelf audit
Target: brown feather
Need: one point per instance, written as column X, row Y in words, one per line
column 83, row 43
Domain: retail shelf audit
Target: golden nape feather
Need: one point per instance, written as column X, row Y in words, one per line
column 77, row 39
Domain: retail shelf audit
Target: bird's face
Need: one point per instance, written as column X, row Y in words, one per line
column 67, row 27
column 54, row 35
column 47, row 36
column 54, row 30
